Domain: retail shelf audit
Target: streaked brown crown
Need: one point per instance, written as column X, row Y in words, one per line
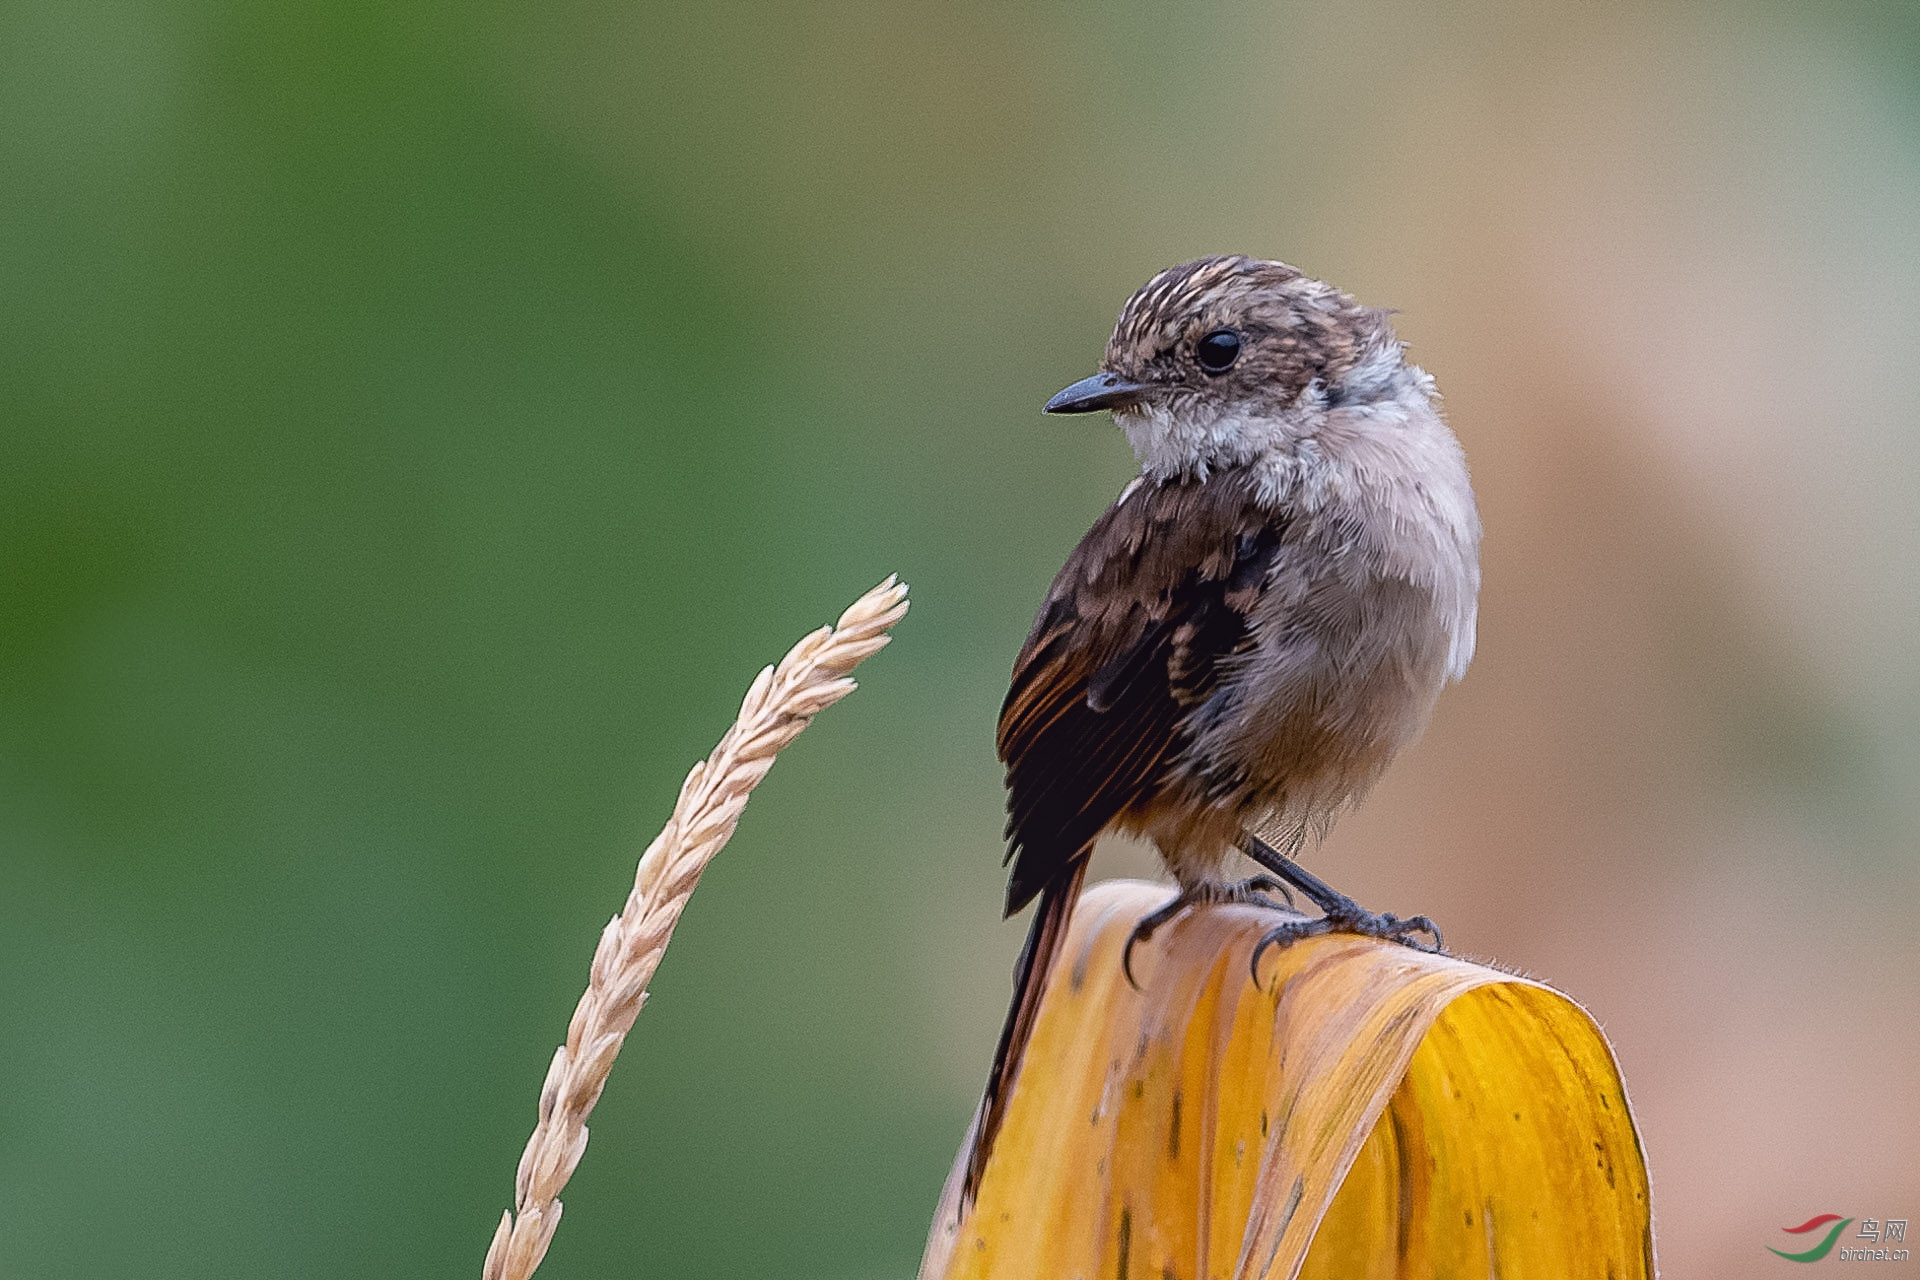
column 1294, row 329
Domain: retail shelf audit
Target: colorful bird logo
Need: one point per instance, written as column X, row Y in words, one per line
column 1820, row 1250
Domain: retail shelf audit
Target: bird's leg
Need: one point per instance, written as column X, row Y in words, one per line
column 1342, row 914
column 1250, row 892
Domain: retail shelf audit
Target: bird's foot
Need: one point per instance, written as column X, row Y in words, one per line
column 1250, row 892
column 1341, row 914
column 1349, row 916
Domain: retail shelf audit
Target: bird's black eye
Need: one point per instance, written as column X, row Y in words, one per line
column 1218, row 350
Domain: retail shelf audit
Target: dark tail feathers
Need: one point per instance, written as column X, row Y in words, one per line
column 1029, row 982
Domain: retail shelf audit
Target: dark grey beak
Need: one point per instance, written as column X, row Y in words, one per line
column 1101, row 391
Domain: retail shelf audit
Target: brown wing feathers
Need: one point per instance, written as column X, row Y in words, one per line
column 1126, row 645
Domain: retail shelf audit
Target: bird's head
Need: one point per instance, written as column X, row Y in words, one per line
column 1217, row 361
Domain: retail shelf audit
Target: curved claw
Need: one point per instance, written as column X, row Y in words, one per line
column 1126, row 955
column 1420, row 924
column 1143, row 931
column 1285, row 935
column 1259, row 949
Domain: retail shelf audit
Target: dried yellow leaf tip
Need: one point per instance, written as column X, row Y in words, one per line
column 1366, row 1110
column 780, row 703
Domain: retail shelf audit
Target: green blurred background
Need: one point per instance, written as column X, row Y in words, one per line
column 420, row 421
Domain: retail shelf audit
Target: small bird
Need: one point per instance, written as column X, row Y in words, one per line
column 1264, row 616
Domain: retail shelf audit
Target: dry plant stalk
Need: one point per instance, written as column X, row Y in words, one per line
column 784, row 699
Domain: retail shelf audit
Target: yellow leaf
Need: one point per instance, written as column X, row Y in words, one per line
column 1366, row 1110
